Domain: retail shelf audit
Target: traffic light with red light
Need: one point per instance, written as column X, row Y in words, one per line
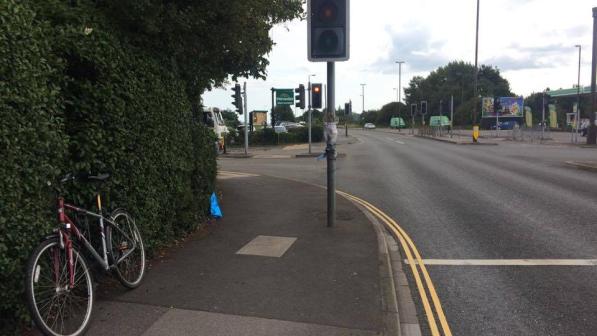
column 328, row 30
column 316, row 95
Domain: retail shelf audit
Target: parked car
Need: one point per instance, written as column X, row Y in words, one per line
column 280, row 129
column 369, row 126
column 290, row 125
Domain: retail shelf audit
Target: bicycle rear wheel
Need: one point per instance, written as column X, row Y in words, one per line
column 56, row 308
column 126, row 249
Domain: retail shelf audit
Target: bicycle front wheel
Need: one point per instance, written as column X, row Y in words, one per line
column 126, row 249
column 56, row 307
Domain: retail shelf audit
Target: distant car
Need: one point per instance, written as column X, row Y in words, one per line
column 291, row 125
column 505, row 125
column 280, row 129
column 369, row 126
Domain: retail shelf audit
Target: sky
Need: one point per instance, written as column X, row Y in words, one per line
column 532, row 42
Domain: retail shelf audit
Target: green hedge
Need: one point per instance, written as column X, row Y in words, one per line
column 267, row 137
column 76, row 101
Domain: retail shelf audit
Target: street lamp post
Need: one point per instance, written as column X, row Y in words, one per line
column 309, row 107
column 399, row 83
column 476, row 72
column 363, row 95
column 577, row 117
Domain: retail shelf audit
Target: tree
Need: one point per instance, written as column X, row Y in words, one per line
column 230, row 118
column 390, row 110
column 203, row 42
column 316, row 116
column 456, row 79
column 283, row 113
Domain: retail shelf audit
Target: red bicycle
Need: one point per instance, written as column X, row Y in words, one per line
column 59, row 285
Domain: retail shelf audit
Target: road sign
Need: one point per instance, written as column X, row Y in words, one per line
column 284, row 96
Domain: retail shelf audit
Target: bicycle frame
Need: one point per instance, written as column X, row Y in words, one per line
column 68, row 228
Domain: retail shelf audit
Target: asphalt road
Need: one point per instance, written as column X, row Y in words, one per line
column 512, row 201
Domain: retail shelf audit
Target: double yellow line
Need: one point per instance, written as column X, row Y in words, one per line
column 410, row 249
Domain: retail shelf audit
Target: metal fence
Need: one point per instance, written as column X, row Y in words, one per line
column 531, row 134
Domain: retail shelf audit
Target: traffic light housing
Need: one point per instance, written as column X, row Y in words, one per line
column 424, row 107
column 316, row 93
column 328, row 30
column 238, row 100
column 497, row 105
column 413, row 109
column 348, row 108
column 300, row 96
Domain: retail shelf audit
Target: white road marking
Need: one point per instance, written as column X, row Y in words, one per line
column 223, row 175
column 394, row 140
column 509, row 262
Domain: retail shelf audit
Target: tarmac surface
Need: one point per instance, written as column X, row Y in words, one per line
column 269, row 267
column 510, row 231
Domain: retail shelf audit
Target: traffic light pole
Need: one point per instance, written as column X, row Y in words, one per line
column 331, row 133
column 592, row 132
column 246, row 123
column 309, row 110
column 273, row 108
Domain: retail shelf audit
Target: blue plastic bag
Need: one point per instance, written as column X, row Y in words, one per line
column 216, row 212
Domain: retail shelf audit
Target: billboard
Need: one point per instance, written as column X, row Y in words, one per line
column 509, row 107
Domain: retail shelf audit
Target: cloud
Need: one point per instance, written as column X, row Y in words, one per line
column 517, row 57
column 416, row 47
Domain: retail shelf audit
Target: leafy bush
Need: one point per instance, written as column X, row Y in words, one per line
column 267, row 136
column 75, row 100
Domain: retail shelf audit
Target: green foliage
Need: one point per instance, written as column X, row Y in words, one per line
column 205, row 41
column 385, row 114
column 32, row 145
column 115, row 86
column 230, row 118
column 456, row 79
column 267, row 136
column 283, row 113
column 76, row 101
column 316, row 116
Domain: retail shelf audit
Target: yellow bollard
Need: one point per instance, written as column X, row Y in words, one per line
column 475, row 133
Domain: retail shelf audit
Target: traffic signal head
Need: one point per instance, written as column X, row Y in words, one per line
column 316, row 95
column 328, row 30
column 413, row 109
column 424, row 107
column 238, row 101
column 497, row 105
column 300, row 96
column 348, row 108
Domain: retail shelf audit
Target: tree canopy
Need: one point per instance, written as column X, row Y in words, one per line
column 204, row 42
column 456, row 79
column 283, row 113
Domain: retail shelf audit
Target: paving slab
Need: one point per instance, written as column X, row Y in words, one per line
column 199, row 323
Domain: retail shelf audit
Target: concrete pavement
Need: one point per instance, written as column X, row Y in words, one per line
column 269, row 267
